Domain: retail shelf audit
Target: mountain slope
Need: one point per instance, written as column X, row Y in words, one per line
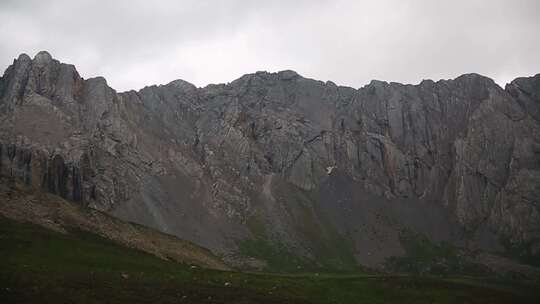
column 327, row 176
column 23, row 204
column 42, row 266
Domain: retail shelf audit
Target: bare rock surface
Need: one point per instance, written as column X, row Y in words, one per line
column 320, row 169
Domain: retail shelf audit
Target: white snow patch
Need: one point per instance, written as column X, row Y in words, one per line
column 330, row 169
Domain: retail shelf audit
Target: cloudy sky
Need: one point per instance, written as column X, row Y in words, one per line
column 136, row 43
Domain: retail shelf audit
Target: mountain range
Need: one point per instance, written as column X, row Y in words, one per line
column 280, row 172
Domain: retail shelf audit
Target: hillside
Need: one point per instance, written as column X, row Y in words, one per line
column 38, row 265
column 23, row 204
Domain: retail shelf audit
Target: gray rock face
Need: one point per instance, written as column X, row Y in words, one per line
column 323, row 169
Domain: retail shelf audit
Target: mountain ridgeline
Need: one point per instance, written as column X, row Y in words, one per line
column 277, row 171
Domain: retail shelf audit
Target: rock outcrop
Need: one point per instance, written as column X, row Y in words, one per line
column 329, row 173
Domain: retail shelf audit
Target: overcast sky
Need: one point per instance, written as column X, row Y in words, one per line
column 136, row 43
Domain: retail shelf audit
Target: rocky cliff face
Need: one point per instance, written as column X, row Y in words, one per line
column 327, row 173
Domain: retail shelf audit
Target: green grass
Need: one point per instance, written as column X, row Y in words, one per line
column 41, row 266
column 330, row 254
column 277, row 256
column 522, row 252
column 425, row 257
column 329, row 250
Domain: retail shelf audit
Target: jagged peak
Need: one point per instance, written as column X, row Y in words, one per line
column 43, row 57
column 376, row 82
column 182, row 84
column 525, row 84
column 288, row 75
column 474, row 76
column 427, row 83
column 529, row 78
column 24, row 57
column 281, row 75
column 99, row 83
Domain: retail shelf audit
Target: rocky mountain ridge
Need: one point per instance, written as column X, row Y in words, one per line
column 330, row 174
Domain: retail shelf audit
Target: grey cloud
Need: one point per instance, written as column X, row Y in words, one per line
column 137, row 43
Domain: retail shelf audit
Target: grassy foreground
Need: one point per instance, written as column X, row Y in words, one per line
column 42, row 266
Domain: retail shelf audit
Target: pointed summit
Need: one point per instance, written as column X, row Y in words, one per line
column 24, row 57
column 43, row 57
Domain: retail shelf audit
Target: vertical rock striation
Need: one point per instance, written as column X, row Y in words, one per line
column 312, row 163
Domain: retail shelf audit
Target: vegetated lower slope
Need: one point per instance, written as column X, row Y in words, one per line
column 39, row 265
column 23, row 204
column 276, row 165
